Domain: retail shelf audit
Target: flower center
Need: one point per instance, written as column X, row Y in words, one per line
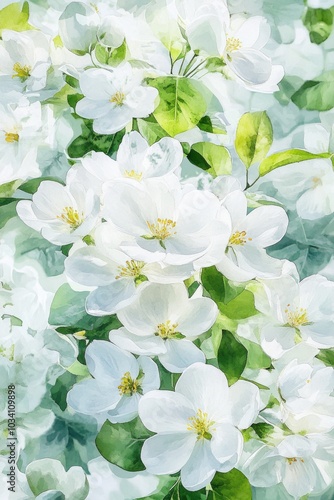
column 316, row 182
column 128, row 385
column 167, row 330
column 201, row 425
column 11, row 137
column 118, row 98
column 239, row 238
column 71, row 217
column 133, row 175
column 162, row 229
column 7, row 352
column 297, row 317
column 22, row 72
column 233, row 44
column 294, row 460
column 132, row 269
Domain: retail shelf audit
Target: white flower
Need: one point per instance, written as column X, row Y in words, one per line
column 62, row 214
column 112, row 98
column 135, row 159
column 293, row 462
column 119, row 382
column 24, row 60
column 297, row 312
column 109, row 481
column 198, row 425
column 114, row 275
column 245, row 257
column 309, row 187
column 78, row 27
column 169, row 224
column 163, row 321
column 306, row 397
column 21, row 133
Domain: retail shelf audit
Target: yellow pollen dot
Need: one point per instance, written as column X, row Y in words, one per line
column 308, row 381
column 95, row 7
column 71, row 217
column 167, row 330
column 162, row 229
column 233, row 44
column 80, row 335
column 128, row 385
column 238, row 238
column 118, row 98
column 22, row 72
column 294, row 460
column 316, row 182
column 201, row 425
column 7, row 352
column 297, row 317
column 11, row 137
column 132, row 269
column 132, row 174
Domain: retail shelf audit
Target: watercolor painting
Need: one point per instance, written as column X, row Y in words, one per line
column 167, row 250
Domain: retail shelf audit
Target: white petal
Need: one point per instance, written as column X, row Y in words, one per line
column 197, row 317
column 206, row 387
column 266, row 225
column 250, row 65
column 165, row 411
column 106, row 361
column 180, row 354
column 200, row 468
column 162, row 157
column 226, row 445
column 150, row 345
column 245, row 399
column 110, row 299
column 167, row 453
column 93, row 396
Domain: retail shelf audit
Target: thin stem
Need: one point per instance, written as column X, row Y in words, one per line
column 180, row 70
column 193, row 71
column 250, row 185
column 189, row 65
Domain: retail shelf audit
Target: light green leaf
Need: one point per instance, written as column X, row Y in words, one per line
column 181, row 103
column 218, row 286
column 327, row 356
column 90, row 141
column 232, row 357
column 207, row 125
column 319, row 23
column 257, row 358
column 254, row 137
column 8, row 189
column 150, row 130
column 316, row 94
column 121, row 444
column 15, row 17
column 230, row 486
column 287, row 157
column 49, row 475
column 214, row 159
column 110, row 56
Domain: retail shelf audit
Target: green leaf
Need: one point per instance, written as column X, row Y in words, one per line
column 121, row 444
column 13, row 17
column 7, row 210
column 110, row 56
column 257, row 358
column 215, row 65
column 319, row 23
column 254, row 137
column 206, row 125
column 181, row 103
column 316, row 94
column 166, row 484
column 286, row 157
column 219, row 288
column 178, row 492
column 263, row 430
column 59, row 391
column 90, row 141
column 230, row 486
column 9, row 188
column 150, row 129
column 326, row 356
column 214, row 159
column 232, row 357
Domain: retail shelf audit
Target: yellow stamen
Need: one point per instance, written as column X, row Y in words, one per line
column 233, row 44
column 22, row 72
column 297, row 317
column 133, row 175
column 239, row 238
column 294, row 460
column 71, row 217
column 118, row 98
column 132, row 269
column 128, row 385
column 7, row 352
column 316, row 182
column 201, row 425
column 11, row 137
column 162, row 229
column 167, row 330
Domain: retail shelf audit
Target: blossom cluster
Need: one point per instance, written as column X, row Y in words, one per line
column 166, row 249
